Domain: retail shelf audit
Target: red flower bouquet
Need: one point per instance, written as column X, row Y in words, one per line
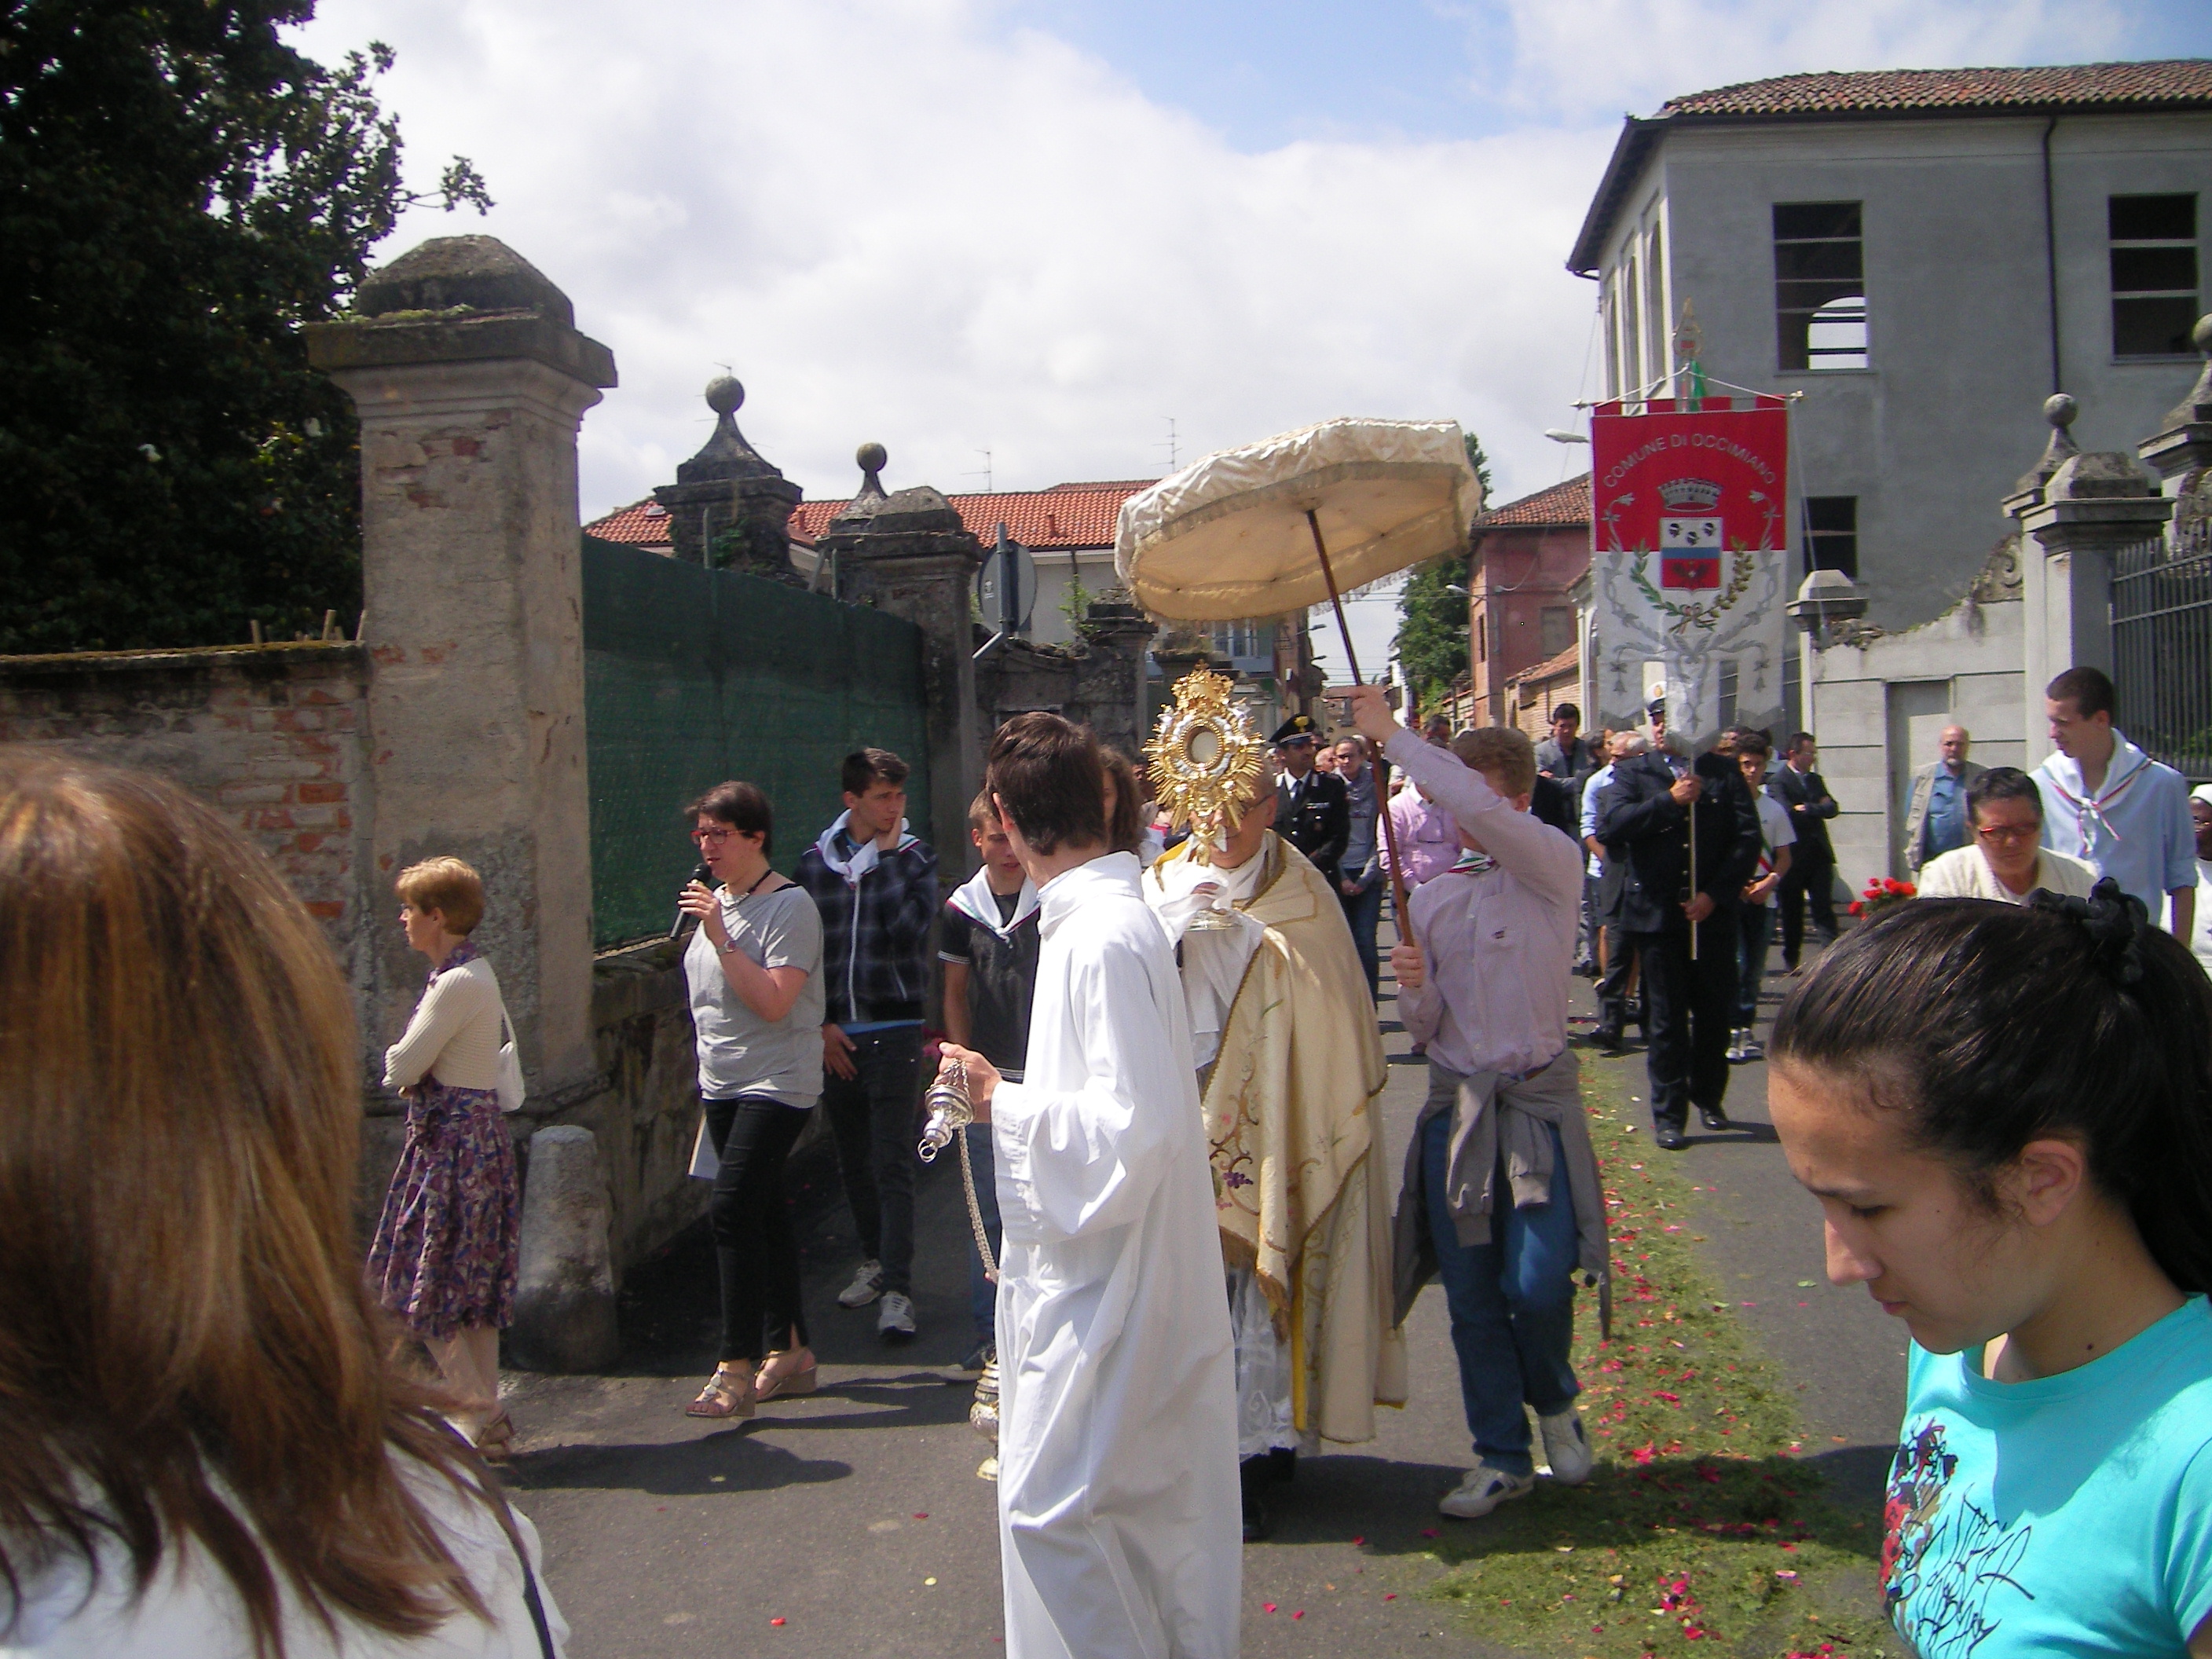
column 1881, row 894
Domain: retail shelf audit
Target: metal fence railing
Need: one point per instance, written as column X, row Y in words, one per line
column 692, row 675
column 2162, row 647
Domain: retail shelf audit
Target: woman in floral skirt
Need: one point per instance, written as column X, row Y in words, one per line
column 444, row 1255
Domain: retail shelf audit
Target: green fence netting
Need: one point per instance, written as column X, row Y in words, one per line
column 692, row 675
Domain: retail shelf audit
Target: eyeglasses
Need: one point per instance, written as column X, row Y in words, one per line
column 2010, row 832
column 717, row 837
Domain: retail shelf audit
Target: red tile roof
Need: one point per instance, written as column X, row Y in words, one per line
column 1562, row 504
column 641, row 524
column 1567, row 662
column 1068, row 516
column 2178, row 81
column 1891, row 95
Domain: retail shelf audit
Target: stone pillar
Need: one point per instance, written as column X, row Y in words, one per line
column 728, row 494
column 908, row 554
column 2073, row 521
column 1110, row 681
column 470, row 378
column 2182, row 453
column 1184, row 648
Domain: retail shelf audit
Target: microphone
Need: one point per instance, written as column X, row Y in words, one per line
column 702, row 874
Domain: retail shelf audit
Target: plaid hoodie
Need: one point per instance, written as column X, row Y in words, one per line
column 877, row 910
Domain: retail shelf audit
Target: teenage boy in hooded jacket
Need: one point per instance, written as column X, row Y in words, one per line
column 876, row 887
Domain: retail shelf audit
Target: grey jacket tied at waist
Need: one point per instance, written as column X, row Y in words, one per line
column 1493, row 1115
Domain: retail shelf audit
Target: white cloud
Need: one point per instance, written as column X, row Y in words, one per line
column 910, row 221
column 1580, row 59
column 898, row 222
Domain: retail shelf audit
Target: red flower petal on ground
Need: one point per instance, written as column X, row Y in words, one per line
column 1267, row 1608
column 775, row 1621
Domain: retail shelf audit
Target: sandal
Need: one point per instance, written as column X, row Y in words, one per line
column 496, row 1440
column 728, row 1394
column 791, row 1383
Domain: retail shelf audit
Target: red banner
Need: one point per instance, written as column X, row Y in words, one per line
column 1690, row 484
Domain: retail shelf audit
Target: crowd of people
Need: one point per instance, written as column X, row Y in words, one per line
column 1197, row 1268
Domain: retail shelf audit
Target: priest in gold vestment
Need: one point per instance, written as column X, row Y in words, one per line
column 1291, row 1072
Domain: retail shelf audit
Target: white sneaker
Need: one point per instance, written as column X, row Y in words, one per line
column 1753, row 1047
column 1483, row 1490
column 1736, row 1046
column 1566, row 1447
column 895, row 1322
column 867, row 1284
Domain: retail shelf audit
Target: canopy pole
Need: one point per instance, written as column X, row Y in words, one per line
column 1381, row 766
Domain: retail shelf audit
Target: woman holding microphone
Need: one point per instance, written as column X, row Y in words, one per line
column 754, row 967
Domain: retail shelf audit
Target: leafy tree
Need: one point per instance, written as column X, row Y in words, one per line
column 180, row 190
column 1432, row 620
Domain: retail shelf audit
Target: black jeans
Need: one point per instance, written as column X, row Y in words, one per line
column 754, row 1244
column 1809, row 880
column 1363, row 913
column 1688, row 1007
column 873, row 1117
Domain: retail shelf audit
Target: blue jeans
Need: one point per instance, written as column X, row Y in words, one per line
column 1512, row 1305
column 1757, row 922
column 1363, row 911
column 983, row 1294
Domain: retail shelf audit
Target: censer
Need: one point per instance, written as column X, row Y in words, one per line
column 949, row 1112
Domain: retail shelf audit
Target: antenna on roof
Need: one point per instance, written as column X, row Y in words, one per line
column 983, row 472
column 1170, row 444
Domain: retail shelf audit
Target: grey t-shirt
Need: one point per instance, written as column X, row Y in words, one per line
column 740, row 1052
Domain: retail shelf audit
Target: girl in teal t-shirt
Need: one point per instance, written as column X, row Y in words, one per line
column 2006, row 1114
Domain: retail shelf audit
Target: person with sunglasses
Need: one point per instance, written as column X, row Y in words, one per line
column 2004, row 859
column 754, row 966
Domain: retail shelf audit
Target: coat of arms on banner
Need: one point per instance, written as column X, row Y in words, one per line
column 1689, row 548
column 1690, row 535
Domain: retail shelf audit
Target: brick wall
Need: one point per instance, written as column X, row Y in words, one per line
column 274, row 736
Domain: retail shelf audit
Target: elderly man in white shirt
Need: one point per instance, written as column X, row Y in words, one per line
column 1501, row 1198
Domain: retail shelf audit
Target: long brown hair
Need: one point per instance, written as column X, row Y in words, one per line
column 188, row 1354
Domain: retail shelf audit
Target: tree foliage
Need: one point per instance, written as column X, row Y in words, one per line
column 1432, row 620
column 180, row 190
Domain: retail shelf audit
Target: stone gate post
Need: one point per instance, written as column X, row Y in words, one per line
column 908, row 553
column 470, row 378
column 2090, row 505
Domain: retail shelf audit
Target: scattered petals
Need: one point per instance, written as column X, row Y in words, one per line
column 775, row 1621
column 1267, row 1608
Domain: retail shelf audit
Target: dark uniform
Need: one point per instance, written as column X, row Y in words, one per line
column 1689, row 1004
column 1314, row 812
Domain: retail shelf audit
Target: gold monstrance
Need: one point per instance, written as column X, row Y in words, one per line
column 1205, row 759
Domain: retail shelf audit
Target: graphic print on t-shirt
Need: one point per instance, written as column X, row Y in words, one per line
column 1944, row 1557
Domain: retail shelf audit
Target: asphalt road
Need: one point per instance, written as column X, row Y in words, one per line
column 857, row 1518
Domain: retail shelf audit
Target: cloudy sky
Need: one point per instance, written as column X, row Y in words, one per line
column 1045, row 228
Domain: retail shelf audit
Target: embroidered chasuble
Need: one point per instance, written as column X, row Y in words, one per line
column 1289, row 1108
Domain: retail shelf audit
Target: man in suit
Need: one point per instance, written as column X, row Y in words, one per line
column 1671, row 892
column 1936, row 821
column 1313, row 809
column 1564, row 755
column 1812, row 877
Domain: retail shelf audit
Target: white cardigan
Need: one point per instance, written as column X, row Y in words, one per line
column 191, row 1610
column 455, row 1033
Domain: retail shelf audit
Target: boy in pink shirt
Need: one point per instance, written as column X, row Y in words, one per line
column 1501, row 1198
